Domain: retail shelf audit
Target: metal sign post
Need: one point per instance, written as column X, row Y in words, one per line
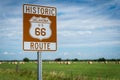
column 39, row 56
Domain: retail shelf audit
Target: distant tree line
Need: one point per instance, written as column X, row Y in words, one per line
column 60, row 59
column 75, row 59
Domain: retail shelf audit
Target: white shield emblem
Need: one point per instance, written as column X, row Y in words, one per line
column 40, row 28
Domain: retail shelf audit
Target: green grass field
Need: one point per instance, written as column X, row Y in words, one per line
column 55, row 71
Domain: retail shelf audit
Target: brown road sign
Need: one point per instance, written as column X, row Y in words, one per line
column 39, row 28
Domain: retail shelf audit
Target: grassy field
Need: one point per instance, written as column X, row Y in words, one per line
column 55, row 71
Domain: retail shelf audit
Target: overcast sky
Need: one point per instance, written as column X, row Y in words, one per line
column 86, row 29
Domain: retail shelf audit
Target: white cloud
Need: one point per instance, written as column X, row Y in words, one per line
column 11, row 28
column 65, row 53
column 102, row 43
column 74, row 33
column 90, row 23
column 76, row 17
column 5, row 53
column 11, row 22
column 80, row 25
column 8, row 53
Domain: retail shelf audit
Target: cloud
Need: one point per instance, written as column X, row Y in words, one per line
column 11, row 28
column 95, row 44
column 8, row 53
column 74, row 33
column 87, row 24
column 5, row 53
column 83, row 17
column 65, row 53
column 84, row 20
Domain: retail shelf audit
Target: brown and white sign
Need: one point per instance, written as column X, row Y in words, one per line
column 39, row 28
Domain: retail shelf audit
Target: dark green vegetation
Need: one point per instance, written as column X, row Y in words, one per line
column 55, row 71
column 26, row 60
